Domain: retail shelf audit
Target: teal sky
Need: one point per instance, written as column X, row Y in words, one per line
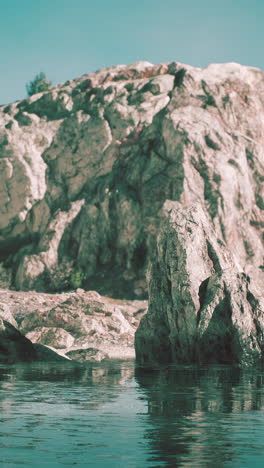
column 67, row 38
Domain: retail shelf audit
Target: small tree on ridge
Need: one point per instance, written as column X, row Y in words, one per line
column 38, row 85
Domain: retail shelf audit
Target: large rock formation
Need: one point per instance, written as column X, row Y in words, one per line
column 202, row 306
column 86, row 167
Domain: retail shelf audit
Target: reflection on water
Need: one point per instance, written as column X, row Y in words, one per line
column 205, row 417
column 115, row 415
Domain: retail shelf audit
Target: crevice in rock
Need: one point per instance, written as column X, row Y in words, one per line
column 210, row 194
column 252, row 300
column 219, row 343
column 250, row 158
column 12, row 250
column 213, row 256
column 140, row 255
column 222, row 227
column 202, row 297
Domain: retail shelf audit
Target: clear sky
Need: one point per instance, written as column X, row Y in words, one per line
column 67, row 38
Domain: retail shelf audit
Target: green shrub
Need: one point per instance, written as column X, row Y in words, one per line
column 77, row 278
column 38, row 85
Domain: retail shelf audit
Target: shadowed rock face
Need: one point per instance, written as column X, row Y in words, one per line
column 86, row 167
column 201, row 308
column 87, row 171
column 15, row 347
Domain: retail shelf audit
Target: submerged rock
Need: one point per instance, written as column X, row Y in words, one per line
column 87, row 354
column 202, row 308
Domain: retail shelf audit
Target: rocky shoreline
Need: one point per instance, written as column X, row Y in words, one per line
column 136, row 171
column 80, row 325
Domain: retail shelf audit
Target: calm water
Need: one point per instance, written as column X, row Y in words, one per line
column 116, row 415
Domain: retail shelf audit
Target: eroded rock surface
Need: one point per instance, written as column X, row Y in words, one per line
column 82, row 326
column 85, row 171
column 202, row 307
column 86, row 167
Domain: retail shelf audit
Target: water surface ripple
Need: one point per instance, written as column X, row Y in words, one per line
column 117, row 415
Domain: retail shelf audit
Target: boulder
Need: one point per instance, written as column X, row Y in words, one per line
column 81, row 326
column 14, row 347
column 51, row 336
column 46, row 354
column 87, row 355
column 202, row 308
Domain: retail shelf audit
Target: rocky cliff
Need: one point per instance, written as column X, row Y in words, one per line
column 86, row 167
column 202, row 307
column 94, row 171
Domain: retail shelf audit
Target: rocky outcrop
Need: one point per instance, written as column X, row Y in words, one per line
column 15, row 347
column 86, row 167
column 80, row 326
column 86, row 172
column 202, row 307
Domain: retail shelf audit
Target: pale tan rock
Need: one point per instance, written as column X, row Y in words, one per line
column 74, row 322
column 5, row 314
column 52, row 336
column 126, row 139
column 34, row 266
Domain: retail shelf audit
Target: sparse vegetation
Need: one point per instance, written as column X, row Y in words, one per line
column 179, row 78
column 233, row 163
column 206, row 98
column 250, row 158
column 211, row 143
column 225, row 100
column 211, row 195
column 38, row 85
column 248, row 249
column 77, row 278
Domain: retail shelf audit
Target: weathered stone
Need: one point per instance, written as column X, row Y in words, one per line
column 111, row 147
column 51, row 336
column 5, row 314
column 87, row 355
column 201, row 305
column 74, row 322
column 85, row 170
column 33, row 269
column 15, row 347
